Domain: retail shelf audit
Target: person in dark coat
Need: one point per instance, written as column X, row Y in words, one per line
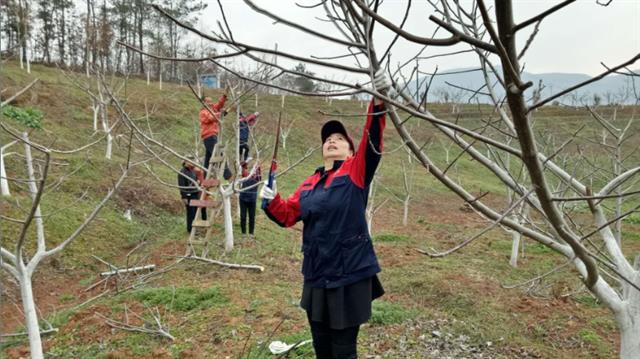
column 339, row 263
column 245, row 125
column 248, row 196
column 187, row 178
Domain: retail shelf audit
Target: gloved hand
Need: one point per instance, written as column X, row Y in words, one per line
column 381, row 81
column 268, row 193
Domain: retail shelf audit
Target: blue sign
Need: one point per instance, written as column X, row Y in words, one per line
column 209, row 81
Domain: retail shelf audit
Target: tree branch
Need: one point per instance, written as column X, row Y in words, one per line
column 541, row 16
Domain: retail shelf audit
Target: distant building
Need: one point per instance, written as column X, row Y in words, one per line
column 209, row 81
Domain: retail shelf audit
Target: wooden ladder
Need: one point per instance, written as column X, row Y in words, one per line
column 213, row 202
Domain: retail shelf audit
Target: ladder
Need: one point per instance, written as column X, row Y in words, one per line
column 212, row 202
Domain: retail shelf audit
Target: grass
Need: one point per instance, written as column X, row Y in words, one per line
column 181, row 299
column 387, row 313
column 389, row 237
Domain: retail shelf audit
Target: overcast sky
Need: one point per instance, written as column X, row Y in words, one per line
column 575, row 39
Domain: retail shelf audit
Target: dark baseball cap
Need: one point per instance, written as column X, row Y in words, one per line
column 335, row 126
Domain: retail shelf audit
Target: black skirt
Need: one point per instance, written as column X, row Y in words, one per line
column 341, row 307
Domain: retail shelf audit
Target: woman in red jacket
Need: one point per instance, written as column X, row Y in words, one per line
column 209, row 125
column 339, row 264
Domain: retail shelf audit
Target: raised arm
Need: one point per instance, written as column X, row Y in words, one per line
column 369, row 150
column 220, row 104
column 252, row 118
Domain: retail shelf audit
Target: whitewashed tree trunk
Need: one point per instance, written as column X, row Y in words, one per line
column 4, row 182
column 96, row 111
column 515, row 247
column 228, row 221
column 28, row 61
column 25, row 272
column 369, row 211
column 405, row 214
column 629, row 317
column 30, row 313
column 107, row 130
column 149, row 77
column 629, row 326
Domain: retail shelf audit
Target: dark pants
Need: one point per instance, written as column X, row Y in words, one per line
column 334, row 343
column 244, row 151
column 191, row 215
column 209, row 143
column 250, row 208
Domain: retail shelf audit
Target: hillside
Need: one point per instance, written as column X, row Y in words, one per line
column 615, row 88
column 433, row 307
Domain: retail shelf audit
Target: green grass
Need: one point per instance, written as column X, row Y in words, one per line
column 389, row 237
column 386, row 313
column 181, row 299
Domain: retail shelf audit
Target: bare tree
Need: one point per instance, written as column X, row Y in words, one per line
column 15, row 258
column 4, row 182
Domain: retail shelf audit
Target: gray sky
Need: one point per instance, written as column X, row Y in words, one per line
column 575, row 39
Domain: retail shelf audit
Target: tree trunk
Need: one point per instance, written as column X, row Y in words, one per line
column 140, row 42
column 4, row 184
column 405, row 215
column 85, row 60
column 228, row 220
column 27, row 53
column 30, row 315
column 515, row 247
column 629, row 325
column 107, row 130
column 628, row 319
column 63, row 34
column 96, row 112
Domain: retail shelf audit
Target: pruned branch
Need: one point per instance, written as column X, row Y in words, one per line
column 17, row 94
column 255, row 267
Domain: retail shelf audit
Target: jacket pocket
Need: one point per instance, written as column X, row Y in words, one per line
column 357, row 253
column 307, row 261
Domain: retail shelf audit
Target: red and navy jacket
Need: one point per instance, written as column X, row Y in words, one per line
column 331, row 204
column 245, row 123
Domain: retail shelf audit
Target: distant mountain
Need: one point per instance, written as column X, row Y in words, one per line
column 612, row 89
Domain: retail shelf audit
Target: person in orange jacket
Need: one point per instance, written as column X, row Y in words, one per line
column 210, row 125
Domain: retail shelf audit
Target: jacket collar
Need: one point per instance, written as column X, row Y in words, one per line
column 336, row 165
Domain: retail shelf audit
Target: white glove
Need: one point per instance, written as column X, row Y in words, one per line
column 381, row 81
column 268, row 193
